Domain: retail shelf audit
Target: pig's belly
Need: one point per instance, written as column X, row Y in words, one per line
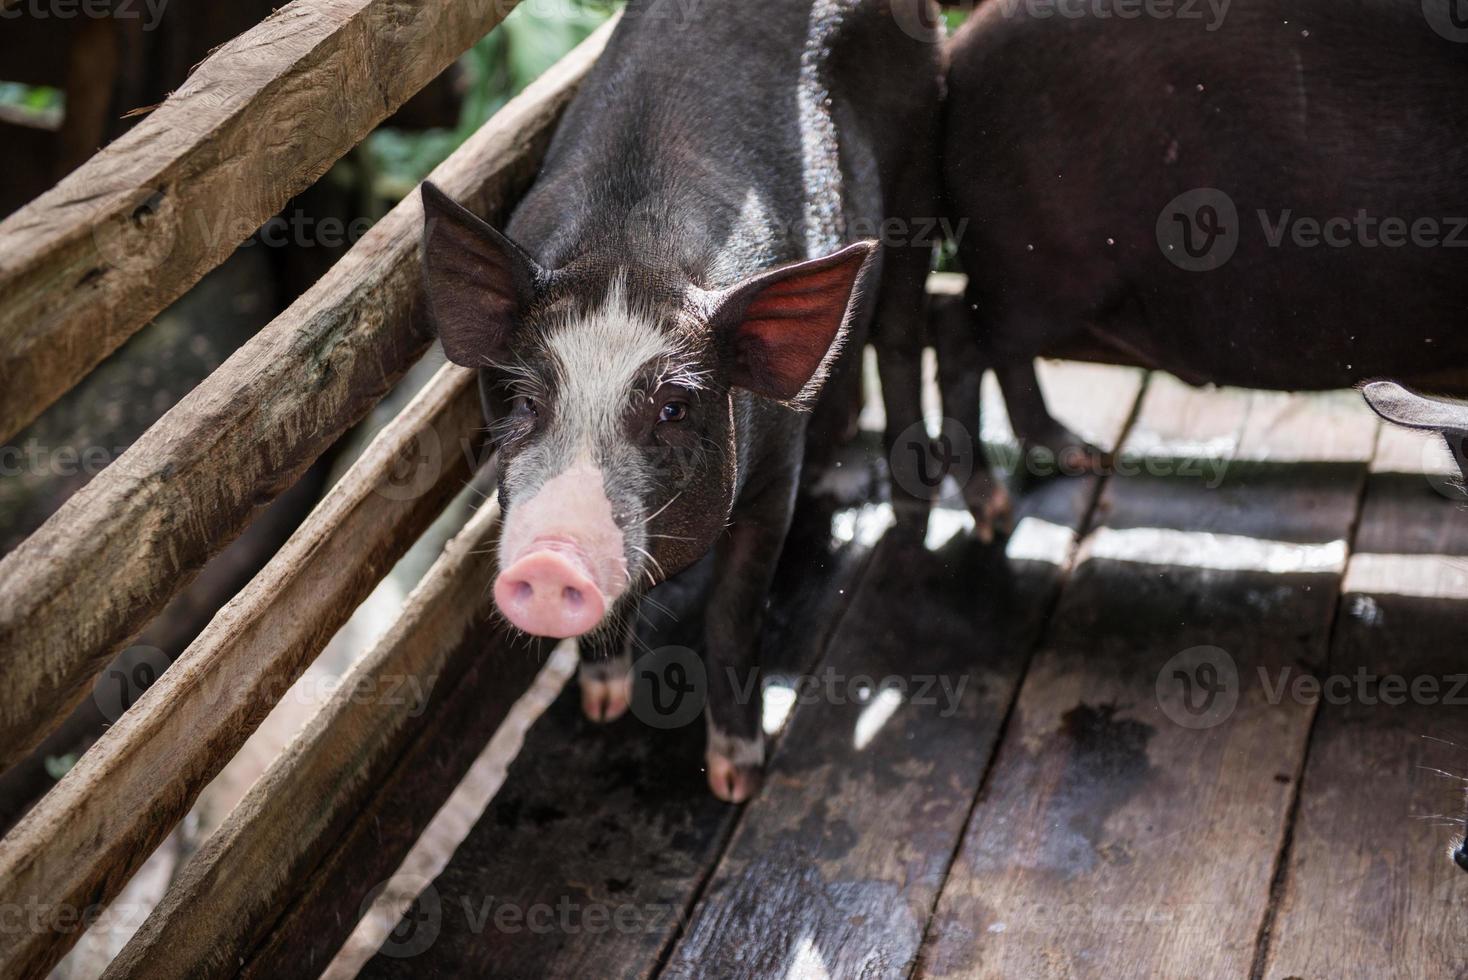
column 1291, row 353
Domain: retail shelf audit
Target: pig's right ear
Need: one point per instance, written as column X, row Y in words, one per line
column 1396, row 404
column 477, row 281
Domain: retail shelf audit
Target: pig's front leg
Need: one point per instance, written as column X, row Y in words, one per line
column 961, row 381
column 605, row 674
column 745, row 561
column 1037, row 429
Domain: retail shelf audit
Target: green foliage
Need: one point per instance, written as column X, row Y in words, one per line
column 59, row 765
column 35, row 100
column 507, row 59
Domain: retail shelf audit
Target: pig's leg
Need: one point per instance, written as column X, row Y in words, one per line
column 1048, row 446
column 745, row 561
column 606, row 669
column 910, row 232
column 960, row 379
column 897, row 336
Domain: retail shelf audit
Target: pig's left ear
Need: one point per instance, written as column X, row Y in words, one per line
column 477, row 281
column 782, row 328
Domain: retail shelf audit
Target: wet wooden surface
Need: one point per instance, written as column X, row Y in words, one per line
column 1370, row 890
column 1120, row 777
column 1114, row 838
column 840, row 858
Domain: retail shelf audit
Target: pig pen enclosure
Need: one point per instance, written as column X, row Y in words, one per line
column 1199, row 715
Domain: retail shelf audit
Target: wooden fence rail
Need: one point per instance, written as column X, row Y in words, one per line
column 84, row 839
column 262, row 859
column 87, row 264
column 75, row 592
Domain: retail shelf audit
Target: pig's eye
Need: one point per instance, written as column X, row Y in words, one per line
column 524, row 406
column 674, row 411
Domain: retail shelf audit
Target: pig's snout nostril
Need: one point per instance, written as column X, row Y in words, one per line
column 550, row 593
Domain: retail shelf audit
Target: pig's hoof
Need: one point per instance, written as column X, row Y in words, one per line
column 1063, row 453
column 992, row 509
column 732, row 783
column 735, row 765
column 606, row 689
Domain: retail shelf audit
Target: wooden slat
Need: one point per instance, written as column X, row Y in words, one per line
column 613, row 820
column 87, row 264
column 815, row 881
column 262, row 859
column 1109, row 839
column 1370, row 889
column 111, row 558
column 83, row 840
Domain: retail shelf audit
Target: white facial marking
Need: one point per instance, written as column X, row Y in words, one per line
column 598, row 359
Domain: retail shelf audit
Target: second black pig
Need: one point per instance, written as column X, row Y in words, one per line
column 1275, row 199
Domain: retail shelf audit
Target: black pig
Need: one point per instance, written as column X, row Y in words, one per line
column 667, row 300
column 1271, row 194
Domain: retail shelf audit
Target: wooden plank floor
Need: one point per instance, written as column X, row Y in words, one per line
column 1369, row 890
column 1114, row 839
column 1112, row 770
column 838, row 861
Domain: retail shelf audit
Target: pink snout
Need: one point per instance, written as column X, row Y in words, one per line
column 550, row 593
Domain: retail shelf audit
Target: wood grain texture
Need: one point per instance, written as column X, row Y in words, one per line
column 1370, row 888
column 263, row 857
column 87, row 264
column 835, row 865
column 74, row 593
column 1110, row 840
column 587, row 860
column 84, row 839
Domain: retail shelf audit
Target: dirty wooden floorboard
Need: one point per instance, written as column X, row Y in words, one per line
column 1370, row 889
column 1074, row 816
column 1110, row 840
column 835, row 865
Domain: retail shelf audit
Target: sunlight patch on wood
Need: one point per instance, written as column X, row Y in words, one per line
column 1223, row 552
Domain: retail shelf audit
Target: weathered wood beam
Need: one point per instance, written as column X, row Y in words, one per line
column 262, row 858
column 74, row 593
column 90, row 262
column 85, row 838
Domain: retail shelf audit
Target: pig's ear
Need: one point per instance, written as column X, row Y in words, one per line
column 782, row 328
column 477, row 281
column 1396, row 404
column 1450, row 418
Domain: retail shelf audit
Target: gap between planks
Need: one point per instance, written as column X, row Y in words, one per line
column 1282, row 858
